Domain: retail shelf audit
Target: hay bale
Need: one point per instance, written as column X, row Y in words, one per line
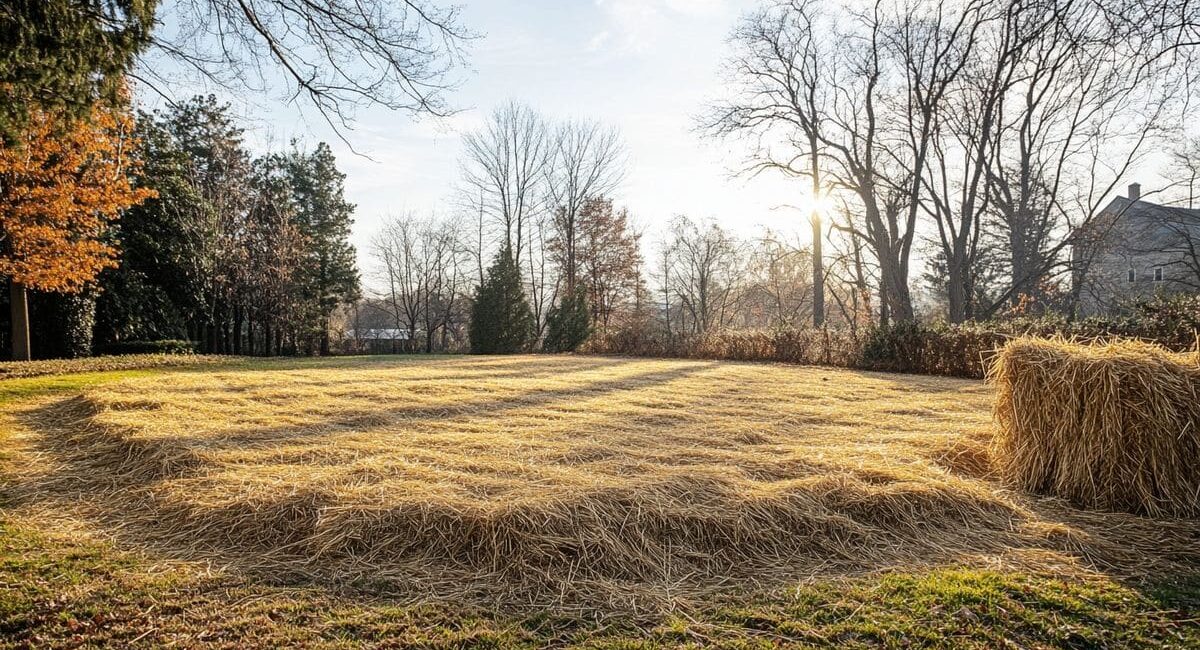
column 1112, row 426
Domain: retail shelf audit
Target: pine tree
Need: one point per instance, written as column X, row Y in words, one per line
column 569, row 324
column 61, row 56
column 217, row 165
column 329, row 276
column 501, row 320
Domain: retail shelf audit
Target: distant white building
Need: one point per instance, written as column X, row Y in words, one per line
column 379, row 334
column 1135, row 249
column 377, row 340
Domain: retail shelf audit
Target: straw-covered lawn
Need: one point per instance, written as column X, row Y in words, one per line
column 457, row 501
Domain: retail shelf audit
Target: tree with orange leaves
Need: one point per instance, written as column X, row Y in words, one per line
column 61, row 184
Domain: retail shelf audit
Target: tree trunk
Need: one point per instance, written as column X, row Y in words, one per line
column 250, row 336
column 238, row 317
column 957, row 290
column 818, row 273
column 20, row 321
column 902, row 308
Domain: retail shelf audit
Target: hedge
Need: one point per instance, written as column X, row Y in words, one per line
column 167, row 346
column 962, row 350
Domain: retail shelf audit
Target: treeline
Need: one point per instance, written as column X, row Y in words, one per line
column 979, row 137
column 700, row 278
column 539, row 256
column 240, row 254
column 243, row 254
column 432, row 272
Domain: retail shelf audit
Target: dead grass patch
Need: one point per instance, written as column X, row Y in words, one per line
column 553, row 481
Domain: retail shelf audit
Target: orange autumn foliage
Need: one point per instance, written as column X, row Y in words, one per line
column 61, row 185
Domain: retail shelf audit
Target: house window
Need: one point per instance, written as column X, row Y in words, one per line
column 1132, row 275
column 1158, row 274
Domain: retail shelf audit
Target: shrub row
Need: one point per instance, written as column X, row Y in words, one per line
column 963, row 350
column 166, row 346
column 39, row 368
column 801, row 346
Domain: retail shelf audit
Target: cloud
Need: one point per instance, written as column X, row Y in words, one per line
column 639, row 24
column 695, row 7
column 597, row 42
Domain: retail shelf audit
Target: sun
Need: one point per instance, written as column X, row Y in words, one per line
column 820, row 204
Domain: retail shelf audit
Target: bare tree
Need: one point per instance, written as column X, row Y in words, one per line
column 1082, row 111
column 852, row 279
column 587, row 161
column 779, row 283
column 504, row 171
column 397, row 248
column 779, row 73
column 544, row 281
column 441, row 254
column 336, row 54
column 818, row 94
column 424, row 264
column 972, row 80
column 700, row 269
column 272, row 255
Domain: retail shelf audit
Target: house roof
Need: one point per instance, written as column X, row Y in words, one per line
column 1126, row 208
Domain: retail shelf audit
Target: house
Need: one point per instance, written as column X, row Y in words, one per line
column 379, row 334
column 1135, row 249
column 377, row 340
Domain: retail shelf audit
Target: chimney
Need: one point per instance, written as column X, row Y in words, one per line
column 1135, row 191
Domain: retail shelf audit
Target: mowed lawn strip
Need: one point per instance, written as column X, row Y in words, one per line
column 65, row 583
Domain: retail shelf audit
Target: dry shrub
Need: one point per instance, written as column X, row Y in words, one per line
column 1112, row 426
column 810, row 347
column 944, row 349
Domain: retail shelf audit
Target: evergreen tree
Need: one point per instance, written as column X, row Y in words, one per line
column 64, row 55
column 159, row 286
column 179, row 251
column 501, row 320
column 329, row 274
column 64, row 323
column 569, row 324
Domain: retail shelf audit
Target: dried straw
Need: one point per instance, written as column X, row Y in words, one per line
column 1112, row 426
column 551, row 482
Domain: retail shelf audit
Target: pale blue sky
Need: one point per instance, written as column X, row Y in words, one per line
column 646, row 66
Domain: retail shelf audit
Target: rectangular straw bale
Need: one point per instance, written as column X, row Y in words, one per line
column 1111, row 426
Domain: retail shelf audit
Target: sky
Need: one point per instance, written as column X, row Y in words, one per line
column 647, row 67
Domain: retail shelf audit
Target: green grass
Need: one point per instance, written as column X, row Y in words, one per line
column 60, row 595
column 16, row 389
column 76, row 592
